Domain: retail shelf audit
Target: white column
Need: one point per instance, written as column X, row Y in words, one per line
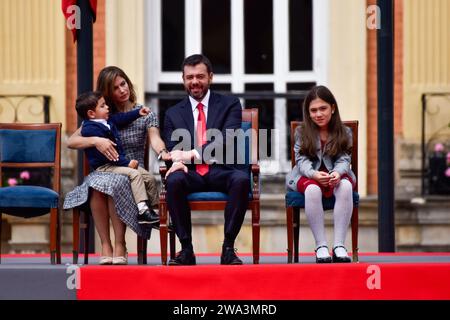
column 237, row 45
column 281, row 69
column 153, row 44
column 193, row 26
column 321, row 30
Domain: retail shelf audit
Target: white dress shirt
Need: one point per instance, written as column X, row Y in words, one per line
column 102, row 121
column 194, row 104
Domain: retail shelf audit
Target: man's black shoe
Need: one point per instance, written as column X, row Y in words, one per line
column 185, row 257
column 149, row 217
column 229, row 256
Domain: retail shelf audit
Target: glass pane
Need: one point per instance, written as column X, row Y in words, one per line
column 294, row 108
column 172, row 34
column 265, row 109
column 164, row 104
column 216, row 34
column 300, row 35
column 258, row 36
column 224, row 88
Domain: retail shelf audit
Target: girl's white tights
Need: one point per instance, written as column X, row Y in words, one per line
column 342, row 214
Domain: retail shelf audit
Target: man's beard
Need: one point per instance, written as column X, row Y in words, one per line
column 199, row 95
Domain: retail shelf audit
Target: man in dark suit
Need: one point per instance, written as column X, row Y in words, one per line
column 198, row 168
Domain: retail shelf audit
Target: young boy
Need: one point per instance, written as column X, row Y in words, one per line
column 97, row 122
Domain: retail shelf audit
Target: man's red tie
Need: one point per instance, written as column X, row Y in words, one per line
column 201, row 169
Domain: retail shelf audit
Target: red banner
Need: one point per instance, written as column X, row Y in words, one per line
column 72, row 14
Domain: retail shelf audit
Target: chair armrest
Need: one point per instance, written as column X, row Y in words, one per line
column 163, row 171
column 255, row 181
column 255, row 169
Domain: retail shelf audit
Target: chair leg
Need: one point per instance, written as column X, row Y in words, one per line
column 255, row 231
column 172, row 243
column 163, row 231
column 290, row 230
column 142, row 250
column 0, row 237
column 76, row 234
column 296, row 226
column 355, row 227
column 53, row 234
column 139, row 250
column 58, row 238
column 86, row 226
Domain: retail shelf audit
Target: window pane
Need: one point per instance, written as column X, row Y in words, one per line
column 300, row 35
column 172, row 34
column 164, row 104
column 258, row 36
column 221, row 87
column 294, row 108
column 265, row 109
column 216, row 34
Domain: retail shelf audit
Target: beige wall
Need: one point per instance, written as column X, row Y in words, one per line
column 32, row 55
column 347, row 69
column 427, row 62
column 125, row 40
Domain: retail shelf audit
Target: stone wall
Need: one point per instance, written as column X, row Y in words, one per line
column 422, row 224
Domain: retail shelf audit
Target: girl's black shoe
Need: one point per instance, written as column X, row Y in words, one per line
column 322, row 260
column 340, row 259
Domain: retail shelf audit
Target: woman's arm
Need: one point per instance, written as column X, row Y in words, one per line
column 157, row 143
column 105, row 146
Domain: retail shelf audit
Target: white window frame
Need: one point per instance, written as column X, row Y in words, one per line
column 238, row 78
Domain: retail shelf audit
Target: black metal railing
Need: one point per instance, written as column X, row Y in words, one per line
column 35, row 105
column 254, row 95
column 432, row 168
column 11, row 109
column 263, row 100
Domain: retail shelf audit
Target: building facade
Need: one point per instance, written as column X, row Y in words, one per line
column 267, row 52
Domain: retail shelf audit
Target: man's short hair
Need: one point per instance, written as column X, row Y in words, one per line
column 196, row 59
column 87, row 101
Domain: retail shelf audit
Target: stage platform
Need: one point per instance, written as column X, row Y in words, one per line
column 397, row 276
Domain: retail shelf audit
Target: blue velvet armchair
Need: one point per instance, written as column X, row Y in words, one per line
column 296, row 200
column 33, row 146
column 205, row 201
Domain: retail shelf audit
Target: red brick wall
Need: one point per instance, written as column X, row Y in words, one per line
column 71, row 64
column 372, row 106
column 398, row 69
column 71, row 83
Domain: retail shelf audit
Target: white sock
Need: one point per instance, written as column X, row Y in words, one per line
column 142, row 206
column 314, row 213
column 322, row 252
column 343, row 208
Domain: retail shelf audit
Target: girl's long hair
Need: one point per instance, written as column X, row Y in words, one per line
column 105, row 84
column 338, row 141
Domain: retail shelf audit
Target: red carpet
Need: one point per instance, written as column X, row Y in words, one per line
column 403, row 281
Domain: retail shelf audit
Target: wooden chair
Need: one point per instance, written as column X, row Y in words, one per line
column 30, row 146
column 205, row 201
column 85, row 224
column 296, row 200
